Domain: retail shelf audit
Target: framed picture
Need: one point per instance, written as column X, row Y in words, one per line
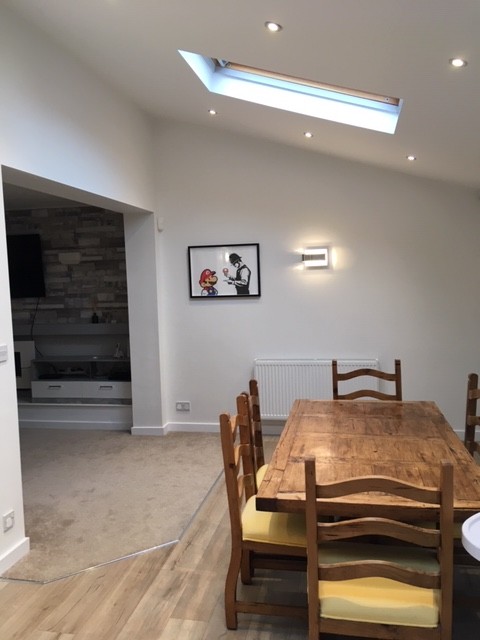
column 224, row 271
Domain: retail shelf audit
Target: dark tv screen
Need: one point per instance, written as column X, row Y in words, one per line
column 25, row 266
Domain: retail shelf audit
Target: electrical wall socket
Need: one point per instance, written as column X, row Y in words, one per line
column 183, row 406
column 8, row 521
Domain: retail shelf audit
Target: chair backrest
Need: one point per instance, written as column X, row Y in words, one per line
column 257, row 434
column 471, row 417
column 244, row 416
column 237, row 455
column 395, row 377
column 440, row 540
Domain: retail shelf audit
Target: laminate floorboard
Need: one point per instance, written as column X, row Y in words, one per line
column 174, row 593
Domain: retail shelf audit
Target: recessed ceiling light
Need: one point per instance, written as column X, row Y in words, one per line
column 411, row 157
column 308, row 134
column 274, row 27
column 458, row 62
column 212, row 112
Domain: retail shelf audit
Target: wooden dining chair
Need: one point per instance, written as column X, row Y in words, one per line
column 471, row 417
column 398, row 585
column 395, row 377
column 259, row 539
column 256, row 431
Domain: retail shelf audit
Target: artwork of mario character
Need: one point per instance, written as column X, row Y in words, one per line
column 207, row 281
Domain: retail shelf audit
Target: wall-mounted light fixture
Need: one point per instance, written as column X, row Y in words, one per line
column 316, row 258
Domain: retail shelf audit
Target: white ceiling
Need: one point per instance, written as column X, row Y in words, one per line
column 393, row 47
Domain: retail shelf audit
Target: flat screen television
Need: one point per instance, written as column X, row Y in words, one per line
column 25, row 266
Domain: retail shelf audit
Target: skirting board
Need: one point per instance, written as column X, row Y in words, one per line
column 186, row 427
column 15, row 554
column 195, row 427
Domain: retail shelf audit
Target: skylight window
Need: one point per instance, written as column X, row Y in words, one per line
column 305, row 97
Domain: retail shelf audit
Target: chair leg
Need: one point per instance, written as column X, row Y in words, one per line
column 246, row 571
column 231, row 617
column 313, row 620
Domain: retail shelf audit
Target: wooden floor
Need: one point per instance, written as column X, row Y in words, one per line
column 172, row 594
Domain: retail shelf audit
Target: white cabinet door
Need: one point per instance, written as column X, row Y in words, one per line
column 57, row 389
column 107, row 389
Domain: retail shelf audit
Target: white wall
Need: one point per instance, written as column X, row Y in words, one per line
column 13, row 543
column 142, row 269
column 69, row 131
column 404, row 286
column 76, row 129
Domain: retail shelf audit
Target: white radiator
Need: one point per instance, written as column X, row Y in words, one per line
column 281, row 381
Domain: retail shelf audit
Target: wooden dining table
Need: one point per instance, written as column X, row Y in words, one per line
column 404, row 440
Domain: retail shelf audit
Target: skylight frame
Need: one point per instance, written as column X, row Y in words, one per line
column 305, row 97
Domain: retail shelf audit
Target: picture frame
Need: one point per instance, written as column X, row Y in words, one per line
column 224, row 271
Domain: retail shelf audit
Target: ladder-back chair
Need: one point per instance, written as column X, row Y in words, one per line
column 259, row 539
column 395, row 377
column 471, row 417
column 256, row 431
column 397, row 584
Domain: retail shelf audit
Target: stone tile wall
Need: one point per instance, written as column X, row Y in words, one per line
column 74, row 292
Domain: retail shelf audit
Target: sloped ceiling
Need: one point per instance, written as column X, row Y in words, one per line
column 393, row 47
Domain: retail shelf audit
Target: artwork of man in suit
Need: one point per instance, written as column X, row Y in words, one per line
column 241, row 279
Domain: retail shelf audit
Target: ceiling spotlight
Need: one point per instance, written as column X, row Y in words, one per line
column 274, row 27
column 458, row 62
column 411, row 157
column 308, row 134
column 212, row 112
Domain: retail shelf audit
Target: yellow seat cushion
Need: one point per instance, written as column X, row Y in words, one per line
column 379, row 600
column 261, row 474
column 274, row 528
